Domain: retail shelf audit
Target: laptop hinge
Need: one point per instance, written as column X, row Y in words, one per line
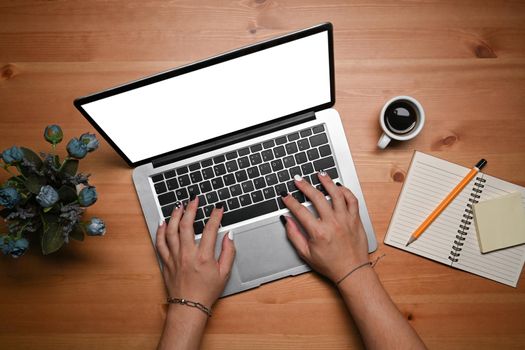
column 238, row 137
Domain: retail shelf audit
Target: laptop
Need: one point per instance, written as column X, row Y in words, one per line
column 235, row 128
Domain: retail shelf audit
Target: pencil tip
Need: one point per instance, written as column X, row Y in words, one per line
column 412, row 239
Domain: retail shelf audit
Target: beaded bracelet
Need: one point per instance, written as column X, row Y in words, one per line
column 191, row 304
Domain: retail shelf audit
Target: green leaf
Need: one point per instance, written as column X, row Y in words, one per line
column 56, row 161
column 52, row 239
column 34, row 183
column 70, row 167
column 77, row 233
column 67, row 194
column 32, row 157
column 48, row 209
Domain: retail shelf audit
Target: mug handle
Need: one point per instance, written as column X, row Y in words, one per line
column 384, row 140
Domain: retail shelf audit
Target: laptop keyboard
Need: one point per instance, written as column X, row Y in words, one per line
column 248, row 181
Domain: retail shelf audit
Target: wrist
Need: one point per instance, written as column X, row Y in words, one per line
column 360, row 279
column 186, row 313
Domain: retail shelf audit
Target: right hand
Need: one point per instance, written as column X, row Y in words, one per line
column 336, row 241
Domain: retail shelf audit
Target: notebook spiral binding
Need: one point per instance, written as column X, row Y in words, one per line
column 464, row 226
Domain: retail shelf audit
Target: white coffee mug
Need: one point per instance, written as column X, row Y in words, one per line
column 388, row 134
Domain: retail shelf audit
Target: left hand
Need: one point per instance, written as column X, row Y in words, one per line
column 190, row 270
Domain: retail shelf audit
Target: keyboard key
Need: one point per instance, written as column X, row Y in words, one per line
column 196, row 176
column 198, row 227
column 184, row 180
column 236, row 190
column 257, row 196
column 193, row 190
column 277, row 165
column 293, row 137
column 322, row 189
column 268, row 144
column 300, row 158
column 219, row 159
column 173, row 184
column 219, row 169
column 318, row 139
column 208, row 173
column 279, row 151
column 303, row 144
column 241, row 176
column 231, row 155
column 283, row 175
column 181, row 193
column 182, row 170
column 195, row 166
column 211, row 197
column 243, row 162
column 233, row 203
column 255, row 158
column 307, row 168
column 315, row 179
column 244, row 152
column 305, row 133
column 217, row 183
column 312, row 154
column 252, row 172
column 200, row 214
column 256, row 148
column 299, row 196
column 268, row 193
column 324, row 163
column 291, row 148
column 288, row 161
column 229, row 179
column 167, row 198
column 231, row 166
column 265, row 168
column 281, row 140
column 168, row 209
column 247, row 186
column 259, row 183
column 245, row 200
column 205, row 186
column 319, row 128
column 280, row 188
column 157, row 178
column 224, row 193
column 202, row 200
column 295, row 171
column 291, row 186
column 160, row 187
column 267, row 155
column 324, row 150
column 169, row 174
column 271, row 179
column 208, row 209
column 333, row 173
column 280, row 203
column 206, row 163
column 249, row 212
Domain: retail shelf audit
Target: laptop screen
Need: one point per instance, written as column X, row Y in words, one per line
column 191, row 107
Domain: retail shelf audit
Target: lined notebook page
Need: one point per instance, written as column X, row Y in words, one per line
column 429, row 180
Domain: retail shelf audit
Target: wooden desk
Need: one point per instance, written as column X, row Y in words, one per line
column 463, row 60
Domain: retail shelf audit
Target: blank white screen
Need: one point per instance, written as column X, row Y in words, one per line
column 216, row 100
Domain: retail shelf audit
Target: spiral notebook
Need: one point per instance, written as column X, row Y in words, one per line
column 451, row 239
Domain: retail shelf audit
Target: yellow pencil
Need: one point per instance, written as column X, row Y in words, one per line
column 446, row 201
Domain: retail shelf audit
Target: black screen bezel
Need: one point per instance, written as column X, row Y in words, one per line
column 206, row 63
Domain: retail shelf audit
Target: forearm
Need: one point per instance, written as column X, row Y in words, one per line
column 379, row 321
column 183, row 328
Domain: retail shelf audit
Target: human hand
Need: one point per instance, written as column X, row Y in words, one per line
column 190, row 270
column 336, row 241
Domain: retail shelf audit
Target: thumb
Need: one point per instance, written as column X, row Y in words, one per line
column 227, row 255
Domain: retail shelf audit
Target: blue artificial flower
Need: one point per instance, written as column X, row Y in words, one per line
column 47, row 196
column 76, row 148
column 9, row 197
column 87, row 196
column 90, row 140
column 6, row 244
column 12, row 155
column 96, row 227
column 53, row 134
column 19, row 248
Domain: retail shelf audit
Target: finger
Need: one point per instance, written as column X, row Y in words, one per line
column 209, row 234
column 172, row 229
column 338, row 200
column 162, row 245
column 186, row 232
column 303, row 215
column 227, row 255
column 352, row 203
column 316, row 197
column 296, row 237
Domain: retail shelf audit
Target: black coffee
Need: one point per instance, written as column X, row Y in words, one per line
column 401, row 117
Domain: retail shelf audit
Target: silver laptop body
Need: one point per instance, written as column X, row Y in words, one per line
column 239, row 164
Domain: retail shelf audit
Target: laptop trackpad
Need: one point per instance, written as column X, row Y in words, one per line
column 264, row 250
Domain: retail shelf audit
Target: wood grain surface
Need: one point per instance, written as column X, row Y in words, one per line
column 463, row 60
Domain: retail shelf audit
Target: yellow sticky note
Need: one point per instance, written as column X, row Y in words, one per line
column 500, row 222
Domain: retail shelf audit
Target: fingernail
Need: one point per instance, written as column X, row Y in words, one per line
column 192, row 197
column 338, row 184
column 297, row 177
column 161, row 222
column 219, row 205
column 322, row 172
column 283, row 219
column 230, row 235
column 283, row 194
